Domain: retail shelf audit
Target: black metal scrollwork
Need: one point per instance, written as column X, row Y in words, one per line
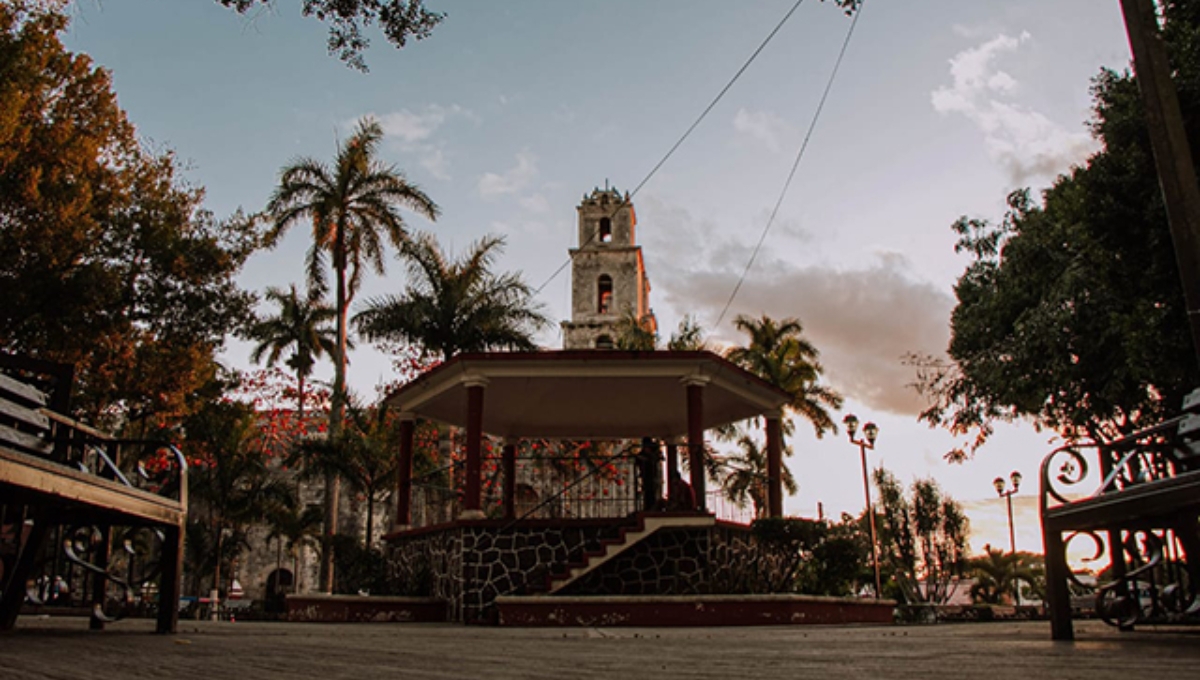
column 1059, row 474
column 132, row 568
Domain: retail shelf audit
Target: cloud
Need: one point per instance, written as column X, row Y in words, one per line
column 536, row 203
column 412, row 127
column 763, row 127
column 433, row 159
column 1024, row 142
column 414, row 133
column 512, row 180
column 863, row 321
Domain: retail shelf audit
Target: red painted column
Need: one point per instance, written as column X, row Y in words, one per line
column 509, row 463
column 472, row 505
column 408, row 427
column 774, row 465
column 695, row 414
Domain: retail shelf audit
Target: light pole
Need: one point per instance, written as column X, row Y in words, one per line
column 870, row 432
column 1007, row 495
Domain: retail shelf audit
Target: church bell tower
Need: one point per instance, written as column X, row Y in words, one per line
column 608, row 276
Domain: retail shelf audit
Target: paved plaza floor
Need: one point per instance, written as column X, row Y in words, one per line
column 64, row 648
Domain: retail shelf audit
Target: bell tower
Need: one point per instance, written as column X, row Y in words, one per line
column 608, row 276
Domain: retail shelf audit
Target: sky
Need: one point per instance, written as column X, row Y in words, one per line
column 513, row 110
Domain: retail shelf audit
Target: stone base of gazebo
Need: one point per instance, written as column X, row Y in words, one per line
column 691, row 610
column 645, row 563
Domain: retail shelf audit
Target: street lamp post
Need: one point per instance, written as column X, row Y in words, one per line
column 870, row 432
column 1007, row 495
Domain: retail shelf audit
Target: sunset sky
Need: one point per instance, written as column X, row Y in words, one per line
column 513, row 109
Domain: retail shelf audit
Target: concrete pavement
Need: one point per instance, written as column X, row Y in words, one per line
column 64, row 648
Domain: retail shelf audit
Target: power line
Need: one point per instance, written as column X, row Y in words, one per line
column 796, row 164
column 629, row 196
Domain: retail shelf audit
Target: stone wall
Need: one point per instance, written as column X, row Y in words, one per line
column 429, row 564
column 470, row 563
column 683, row 561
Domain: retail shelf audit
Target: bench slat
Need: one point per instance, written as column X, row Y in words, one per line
column 63, row 484
column 20, row 389
column 25, row 415
column 25, row 441
column 1141, row 503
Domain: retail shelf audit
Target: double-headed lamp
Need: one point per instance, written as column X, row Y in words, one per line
column 872, row 431
column 851, row 423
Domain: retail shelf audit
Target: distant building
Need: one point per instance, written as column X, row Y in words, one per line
column 608, row 276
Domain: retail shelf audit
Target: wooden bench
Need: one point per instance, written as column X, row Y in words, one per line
column 61, row 477
column 1144, row 511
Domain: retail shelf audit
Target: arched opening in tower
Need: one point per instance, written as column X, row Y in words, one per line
column 604, row 291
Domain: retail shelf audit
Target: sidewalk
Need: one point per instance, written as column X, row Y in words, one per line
column 64, row 648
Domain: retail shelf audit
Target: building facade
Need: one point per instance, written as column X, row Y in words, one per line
column 608, row 275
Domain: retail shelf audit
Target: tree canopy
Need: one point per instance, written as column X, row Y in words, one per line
column 922, row 539
column 349, row 21
column 779, row 353
column 107, row 260
column 454, row 305
column 1071, row 313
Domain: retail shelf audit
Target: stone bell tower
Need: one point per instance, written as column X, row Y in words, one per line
column 608, row 276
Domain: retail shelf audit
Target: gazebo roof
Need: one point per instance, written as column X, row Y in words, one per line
column 588, row 394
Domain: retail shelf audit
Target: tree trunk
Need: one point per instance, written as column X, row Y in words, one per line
column 370, row 519
column 300, row 402
column 332, row 483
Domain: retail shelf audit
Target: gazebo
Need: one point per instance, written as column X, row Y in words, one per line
column 585, row 394
column 472, row 560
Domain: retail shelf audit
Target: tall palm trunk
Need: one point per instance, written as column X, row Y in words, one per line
column 300, row 401
column 337, row 412
column 370, row 518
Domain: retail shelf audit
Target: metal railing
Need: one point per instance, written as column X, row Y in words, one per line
column 548, row 489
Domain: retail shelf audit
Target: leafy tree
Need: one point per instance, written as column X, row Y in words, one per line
column 839, row 563
column 456, row 305
column 230, row 479
column 1071, row 314
column 817, row 557
column 399, row 20
column 107, row 260
column 353, row 207
column 922, row 538
column 302, row 326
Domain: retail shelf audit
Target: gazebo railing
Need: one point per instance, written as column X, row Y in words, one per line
column 543, row 491
column 558, row 492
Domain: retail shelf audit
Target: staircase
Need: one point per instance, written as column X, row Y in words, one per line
column 629, row 536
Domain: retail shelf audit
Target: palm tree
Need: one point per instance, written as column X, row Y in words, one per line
column 688, row 337
column 364, row 454
column 353, row 207
column 301, row 326
column 635, row 333
column 745, row 477
column 779, row 353
column 453, row 306
column 293, row 527
column 233, row 485
column 997, row 573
